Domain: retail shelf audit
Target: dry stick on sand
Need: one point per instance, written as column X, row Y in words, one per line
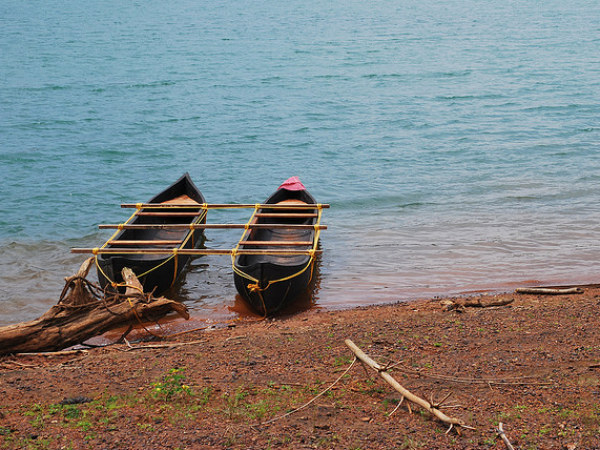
column 475, row 303
column 314, row 398
column 549, row 291
column 433, row 409
column 502, row 435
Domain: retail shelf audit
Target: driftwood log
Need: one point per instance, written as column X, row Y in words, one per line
column 84, row 311
column 460, row 303
column 549, row 291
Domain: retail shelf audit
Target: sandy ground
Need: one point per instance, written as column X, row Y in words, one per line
column 532, row 365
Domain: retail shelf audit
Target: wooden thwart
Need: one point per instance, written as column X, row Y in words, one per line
column 276, row 243
column 191, row 252
column 286, row 215
column 167, row 214
column 226, row 205
column 203, row 226
column 140, row 242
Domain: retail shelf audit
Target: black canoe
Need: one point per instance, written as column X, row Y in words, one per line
column 156, row 272
column 271, row 282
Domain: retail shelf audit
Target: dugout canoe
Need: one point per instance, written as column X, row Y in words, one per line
column 270, row 282
column 156, row 272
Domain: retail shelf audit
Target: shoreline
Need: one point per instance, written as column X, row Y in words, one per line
column 533, row 364
column 246, row 315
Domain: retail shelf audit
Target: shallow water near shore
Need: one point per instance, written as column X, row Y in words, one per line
column 456, row 142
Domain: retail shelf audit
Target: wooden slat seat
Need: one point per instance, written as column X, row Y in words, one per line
column 286, row 215
column 182, row 199
column 276, row 243
column 167, row 214
column 142, row 242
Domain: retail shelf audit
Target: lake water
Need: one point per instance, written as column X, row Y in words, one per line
column 457, row 142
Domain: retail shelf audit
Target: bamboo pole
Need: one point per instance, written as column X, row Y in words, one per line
column 286, row 215
column 276, row 243
column 168, row 214
column 201, row 226
column 142, row 242
column 226, row 205
column 191, row 252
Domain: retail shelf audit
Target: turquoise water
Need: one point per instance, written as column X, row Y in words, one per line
column 456, row 141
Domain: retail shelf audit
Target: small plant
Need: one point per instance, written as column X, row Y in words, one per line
column 545, row 430
column 71, row 411
column 145, row 426
column 259, row 409
column 85, row 425
column 342, row 360
column 37, row 416
column 233, row 402
column 171, row 386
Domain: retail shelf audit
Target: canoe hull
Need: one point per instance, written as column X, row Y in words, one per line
column 157, row 273
column 279, row 295
column 271, row 283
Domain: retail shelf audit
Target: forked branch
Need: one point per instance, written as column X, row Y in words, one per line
column 433, row 409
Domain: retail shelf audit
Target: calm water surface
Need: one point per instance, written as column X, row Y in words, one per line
column 456, row 141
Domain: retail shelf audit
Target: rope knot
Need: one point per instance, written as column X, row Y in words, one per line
column 254, row 287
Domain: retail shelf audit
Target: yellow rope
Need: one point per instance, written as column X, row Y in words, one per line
column 236, row 248
column 255, row 287
column 112, row 283
column 312, row 253
column 119, row 229
column 201, row 217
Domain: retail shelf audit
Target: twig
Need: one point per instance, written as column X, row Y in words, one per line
column 452, row 379
column 549, row 291
column 502, row 435
column 405, row 392
column 5, row 365
column 186, row 332
column 458, row 304
column 49, row 354
column 397, row 406
column 314, row 398
column 175, row 344
column 438, row 405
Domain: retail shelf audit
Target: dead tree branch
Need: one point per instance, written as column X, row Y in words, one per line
column 502, row 435
column 549, row 291
column 363, row 357
column 82, row 312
